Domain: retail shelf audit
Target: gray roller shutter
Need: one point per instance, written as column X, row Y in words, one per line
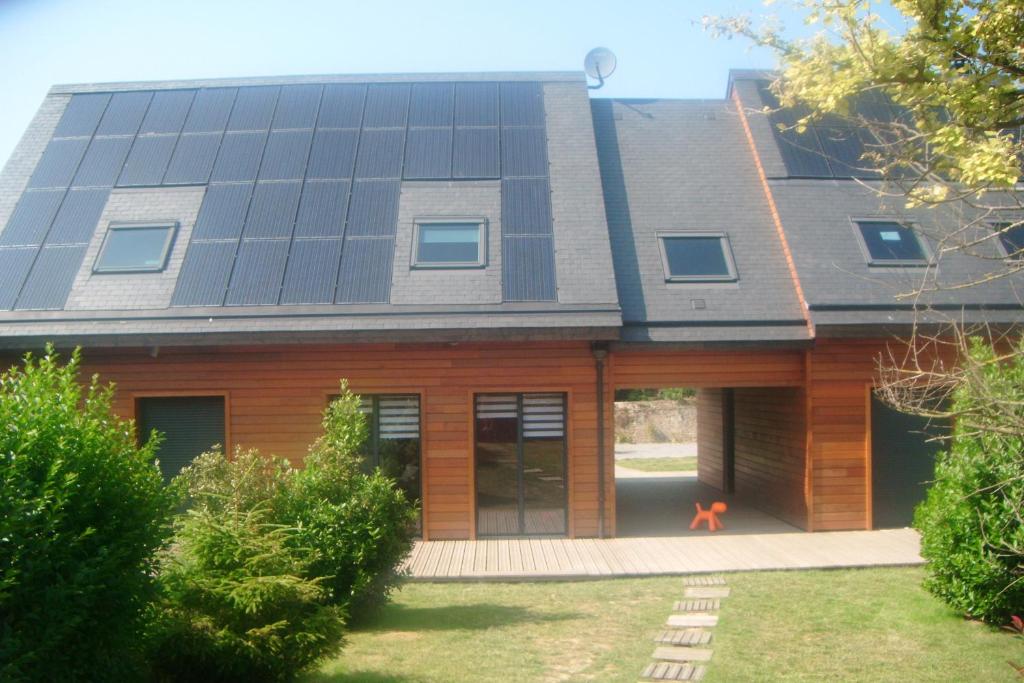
column 191, row 425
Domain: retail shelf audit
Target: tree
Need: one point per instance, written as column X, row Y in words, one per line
column 949, row 141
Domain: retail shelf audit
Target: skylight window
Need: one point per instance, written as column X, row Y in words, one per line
column 891, row 243
column 1012, row 239
column 135, row 248
column 450, row 243
column 697, row 256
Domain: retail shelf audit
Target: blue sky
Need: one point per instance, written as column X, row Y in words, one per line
column 662, row 50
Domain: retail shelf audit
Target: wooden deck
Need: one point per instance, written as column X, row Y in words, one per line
column 538, row 559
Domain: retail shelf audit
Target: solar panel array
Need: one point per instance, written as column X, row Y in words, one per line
column 303, row 185
column 828, row 148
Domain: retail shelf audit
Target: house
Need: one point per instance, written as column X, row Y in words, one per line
column 485, row 258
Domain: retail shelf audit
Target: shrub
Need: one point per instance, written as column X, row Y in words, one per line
column 83, row 510
column 238, row 604
column 971, row 528
column 359, row 525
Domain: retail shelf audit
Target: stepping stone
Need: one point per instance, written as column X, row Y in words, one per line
column 692, row 620
column 706, row 592
column 700, row 605
column 664, row 671
column 703, row 581
column 686, row 636
column 681, row 654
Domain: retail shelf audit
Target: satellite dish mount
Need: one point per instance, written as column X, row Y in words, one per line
column 599, row 64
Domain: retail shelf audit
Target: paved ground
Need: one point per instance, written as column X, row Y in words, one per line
column 539, row 559
column 625, row 451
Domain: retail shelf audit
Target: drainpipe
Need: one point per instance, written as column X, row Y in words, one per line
column 600, row 352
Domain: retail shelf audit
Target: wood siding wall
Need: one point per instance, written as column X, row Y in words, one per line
column 710, row 449
column 770, row 447
column 276, row 395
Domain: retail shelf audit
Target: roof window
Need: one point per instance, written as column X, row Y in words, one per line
column 135, row 248
column 891, row 243
column 449, row 243
column 697, row 256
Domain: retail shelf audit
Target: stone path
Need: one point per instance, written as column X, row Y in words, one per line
column 680, row 654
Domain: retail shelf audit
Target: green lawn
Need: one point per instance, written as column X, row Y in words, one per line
column 851, row 625
column 660, row 464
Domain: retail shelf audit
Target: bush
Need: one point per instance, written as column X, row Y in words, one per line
column 83, row 510
column 359, row 525
column 238, row 604
column 970, row 523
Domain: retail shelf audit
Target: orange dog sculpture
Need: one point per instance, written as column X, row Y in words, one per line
column 710, row 516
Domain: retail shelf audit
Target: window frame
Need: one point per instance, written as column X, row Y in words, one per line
column 172, row 232
column 724, row 243
column 926, row 252
column 479, row 222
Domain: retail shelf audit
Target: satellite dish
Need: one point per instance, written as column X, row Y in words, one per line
column 599, row 64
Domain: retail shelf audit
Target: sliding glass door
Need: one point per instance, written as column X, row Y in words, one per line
column 521, row 464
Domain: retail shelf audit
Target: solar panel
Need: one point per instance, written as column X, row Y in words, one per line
column 254, row 108
column 59, row 162
column 373, row 208
column 341, row 106
column 167, row 111
column 523, row 152
column 387, row 105
column 312, row 272
column 525, row 206
column 272, row 210
column 148, row 160
column 32, row 217
column 50, row 280
column 222, row 213
column 258, row 272
column 380, row 154
column 476, row 153
column 297, row 105
column 522, row 104
column 428, row 153
column 78, row 216
column 843, row 148
column 82, row 115
column 333, row 154
column 239, row 157
column 15, row 262
column 204, row 275
column 431, row 104
column 476, row 104
column 124, row 113
column 365, row 272
column 193, row 159
column 102, row 162
column 210, row 110
column 528, row 268
column 322, row 209
column 286, row 154
column 802, row 154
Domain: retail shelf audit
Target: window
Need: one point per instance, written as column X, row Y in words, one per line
column 135, row 248
column 697, row 256
column 393, row 443
column 448, row 243
column 890, row 243
column 1011, row 236
column 190, row 425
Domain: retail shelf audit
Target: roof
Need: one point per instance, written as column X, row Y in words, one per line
column 685, row 165
column 298, row 196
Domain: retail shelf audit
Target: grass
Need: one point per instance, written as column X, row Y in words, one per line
column 660, row 464
column 849, row 625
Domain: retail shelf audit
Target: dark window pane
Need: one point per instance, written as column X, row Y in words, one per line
column 448, row 243
column 497, row 465
column 696, row 257
column 1013, row 240
column 135, row 249
column 891, row 242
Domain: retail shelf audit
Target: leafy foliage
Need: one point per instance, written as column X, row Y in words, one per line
column 83, row 510
column 971, row 524
column 238, row 604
